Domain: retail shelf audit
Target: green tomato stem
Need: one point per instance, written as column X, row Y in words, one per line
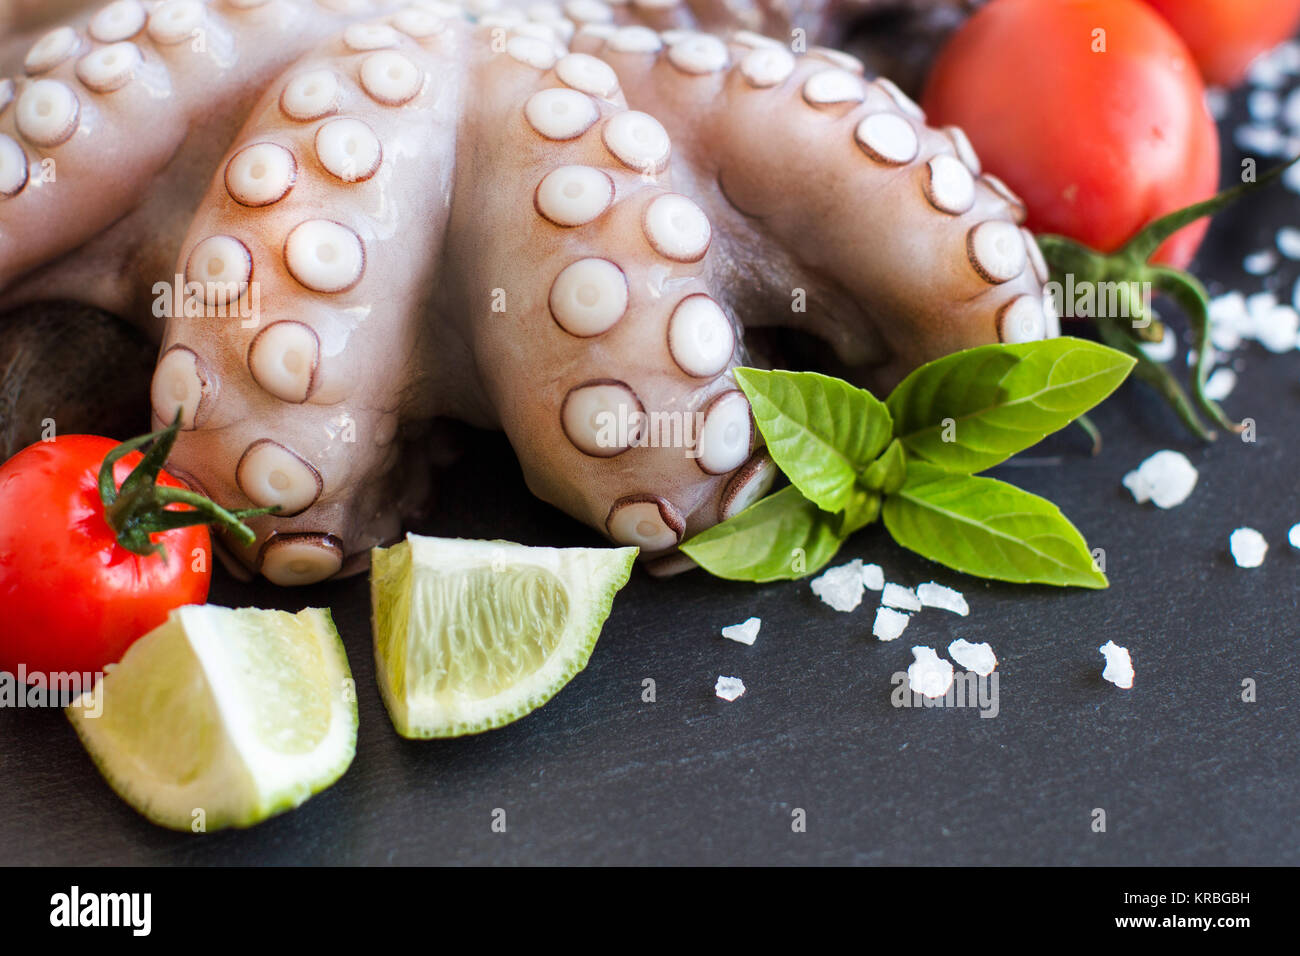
column 1131, row 264
column 142, row 507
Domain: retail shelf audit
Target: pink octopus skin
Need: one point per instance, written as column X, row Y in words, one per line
column 437, row 217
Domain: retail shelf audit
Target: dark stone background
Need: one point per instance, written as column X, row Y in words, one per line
column 1187, row 772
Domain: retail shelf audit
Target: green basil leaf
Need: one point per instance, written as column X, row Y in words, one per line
column 988, row 528
column 887, row 473
column 820, row 431
column 971, row 410
column 778, row 538
column 862, row 509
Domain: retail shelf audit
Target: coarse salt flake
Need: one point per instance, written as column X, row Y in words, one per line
column 973, row 657
column 1278, row 329
column 1163, row 350
column 1293, row 536
column 729, row 688
column 946, row 599
column 895, row 595
column 1119, row 666
column 1260, row 263
column 1166, row 479
column 872, row 577
column 841, row 587
column 929, row 675
column 1261, row 140
column 1248, row 547
column 889, row 624
column 745, row 633
column 1220, row 383
column 1288, row 239
column 1263, row 105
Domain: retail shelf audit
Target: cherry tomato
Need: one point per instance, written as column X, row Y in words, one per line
column 1225, row 35
column 1092, row 110
column 72, row 598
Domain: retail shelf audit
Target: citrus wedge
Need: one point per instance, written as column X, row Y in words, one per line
column 223, row 717
column 472, row 635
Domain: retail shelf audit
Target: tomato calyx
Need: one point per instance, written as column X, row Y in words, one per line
column 141, row 507
column 1130, row 268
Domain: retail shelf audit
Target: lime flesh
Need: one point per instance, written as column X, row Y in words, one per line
column 472, row 635
column 223, row 717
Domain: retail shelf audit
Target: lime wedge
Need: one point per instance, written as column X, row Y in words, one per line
column 472, row 635
column 221, row 717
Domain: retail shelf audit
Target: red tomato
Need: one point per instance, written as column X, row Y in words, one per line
column 71, row 597
column 1225, row 35
column 1097, row 143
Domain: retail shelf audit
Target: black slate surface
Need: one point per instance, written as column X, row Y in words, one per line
column 1186, row 771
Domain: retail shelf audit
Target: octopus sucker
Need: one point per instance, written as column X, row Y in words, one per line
column 120, row 20
column 49, row 51
column 13, row 167
column 262, row 174
column 109, row 68
column 47, row 113
column 382, row 213
column 827, row 87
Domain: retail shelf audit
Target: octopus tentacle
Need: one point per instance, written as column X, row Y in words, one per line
column 609, row 363
column 125, row 108
column 321, row 234
column 825, row 182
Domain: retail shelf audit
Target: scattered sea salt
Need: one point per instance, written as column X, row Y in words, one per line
column 1263, row 105
column 729, row 688
column 1220, row 383
column 1286, row 56
column 889, row 623
column 1119, row 666
column 1278, row 329
column 1288, row 238
column 873, row 577
column 841, row 587
column 946, row 599
column 744, row 633
column 929, row 675
column 1267, row 72
column 1248, row 547
column 1291, row 109
column 973, row 657
column 1291, row 178
column 1260, row 263
column 1293, row 536
column 895, row 595
column 1230, row 320
column 1163, row 350
column 1166, row 479
column 1258, row 307
column 1261, row 140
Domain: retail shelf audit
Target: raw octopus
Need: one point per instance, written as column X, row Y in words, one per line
column 343, row 220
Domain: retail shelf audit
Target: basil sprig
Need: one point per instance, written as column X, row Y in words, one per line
column 912, row 459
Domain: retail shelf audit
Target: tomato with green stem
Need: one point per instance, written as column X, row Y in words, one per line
column 1091, row 110
column 97, row 545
